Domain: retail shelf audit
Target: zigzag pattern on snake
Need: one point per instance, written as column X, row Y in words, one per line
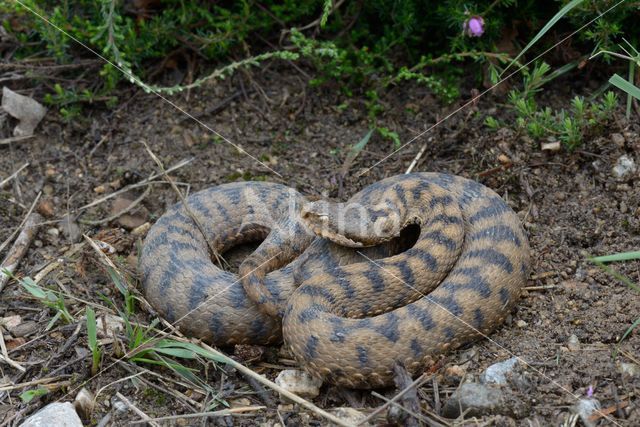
column 412, row 266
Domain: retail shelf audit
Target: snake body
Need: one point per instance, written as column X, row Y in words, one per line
column 410, row 267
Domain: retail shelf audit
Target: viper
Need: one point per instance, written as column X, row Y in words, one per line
column 410, row 267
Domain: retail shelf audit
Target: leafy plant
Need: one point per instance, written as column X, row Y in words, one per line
column 568, row 126
column 92, row 338
column 29, row 395
column 47, row 297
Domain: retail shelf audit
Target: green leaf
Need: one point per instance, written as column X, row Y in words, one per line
column 544, row 30
column 28, row 395
column 92, row 334
column 623, row 256
column 623, row 84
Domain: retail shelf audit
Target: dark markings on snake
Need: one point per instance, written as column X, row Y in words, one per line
column 499, row 233
column 427, row 259
column 421, row 316
column 505, row 296
column 489, row 211
column 478, row 318
column 448, row 303
column 389, row 329
column 416, row 348
column 439, row 237
column 375, row 278
column 363, row 356
column 440, row 200
column 311, row 347
column 406, row 273
column 491, row 256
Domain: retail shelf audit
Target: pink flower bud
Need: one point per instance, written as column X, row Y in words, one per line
column 474, row 26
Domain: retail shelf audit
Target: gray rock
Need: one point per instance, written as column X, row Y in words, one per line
column 54, row 414
column 498, row 372
column 480, row 399
column 624, row 166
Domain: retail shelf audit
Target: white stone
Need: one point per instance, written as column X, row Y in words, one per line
column 624, row 166
column 54, row 414
column 299, row 382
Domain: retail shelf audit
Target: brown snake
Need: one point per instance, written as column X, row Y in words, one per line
column 412, row 266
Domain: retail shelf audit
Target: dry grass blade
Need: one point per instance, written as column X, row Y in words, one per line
column 5, row 355
column 419, row 381
column 13, row 175
column 134, row 408
column 129, row 207
column 221, row 413
column 136, row 185
column 291, row 396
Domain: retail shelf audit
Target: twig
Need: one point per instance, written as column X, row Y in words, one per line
column 24, row 220
column 13, row 175
column 539, row 288
column 221, row 413
column 136, row 185
column 415, row 160
column 20, row 246
column 145, row 418
column 129, row 207
column 420, row 380
column 7, row 141
column 30, row 383
column 5, row 355
column 402, row 408
column 212, row 249
column 291, row 396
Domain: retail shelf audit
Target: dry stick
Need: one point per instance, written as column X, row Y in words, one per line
column 212, row 250
column 146, row 418
column 291, row 396
column 5, row 355
column 7, row 141
column 415, row 160
column 24, row 220
column 402, row 408
column 19, row 248
column 13, row 175
column 129, row 207
column 421, row 379
column 136, row 185
column 221, row 413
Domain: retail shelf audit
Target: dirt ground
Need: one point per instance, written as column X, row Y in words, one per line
column 566, row 325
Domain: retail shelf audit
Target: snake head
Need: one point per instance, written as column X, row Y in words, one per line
column 351, row 224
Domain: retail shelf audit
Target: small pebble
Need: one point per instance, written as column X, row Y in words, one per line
column 54, row 232
column 624, row 167
column 521, row 323
column 618, row 139
column 299, row 382
column 573, row 343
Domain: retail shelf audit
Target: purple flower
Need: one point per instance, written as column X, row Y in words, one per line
column 590, row 391
column 474, row 26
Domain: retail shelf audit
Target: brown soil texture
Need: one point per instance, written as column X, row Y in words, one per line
column 570, row 203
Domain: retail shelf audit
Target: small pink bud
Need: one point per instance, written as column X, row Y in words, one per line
column 590, row 391
column 474, row 26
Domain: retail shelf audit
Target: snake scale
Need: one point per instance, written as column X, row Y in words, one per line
column 410, row 267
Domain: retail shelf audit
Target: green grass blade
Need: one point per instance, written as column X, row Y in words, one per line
column 626, row 334
column 92, row 329
column 544, row 30
column 623, row 84
column 623, row 256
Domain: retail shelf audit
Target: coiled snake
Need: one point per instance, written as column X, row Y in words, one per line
column 412, row 266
